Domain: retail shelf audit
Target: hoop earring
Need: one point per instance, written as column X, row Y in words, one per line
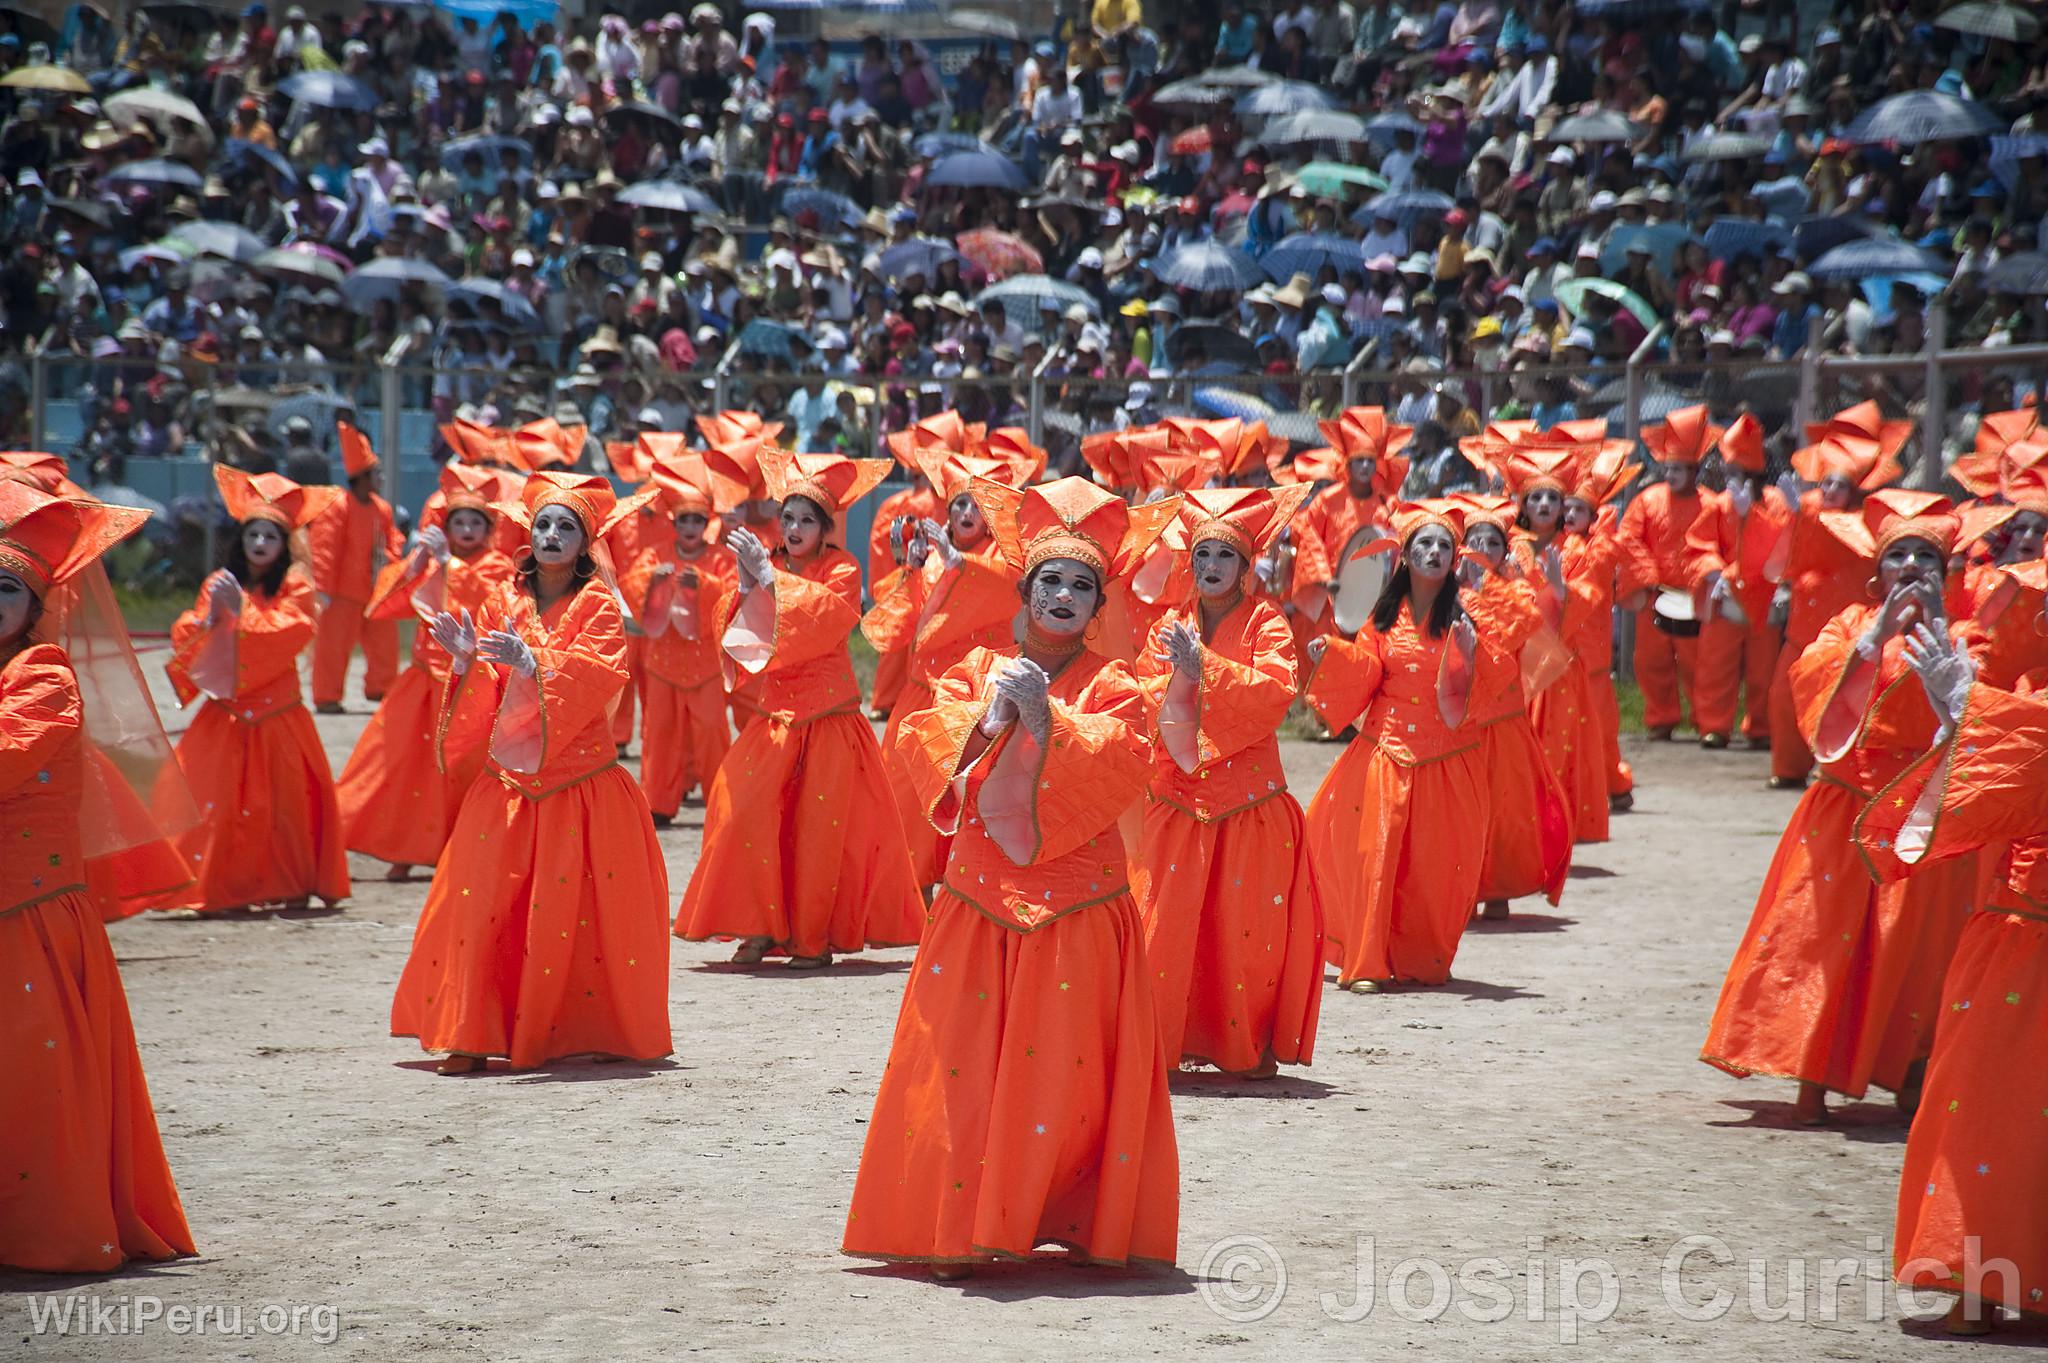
column 1093, row 629
column 585, row 568
column 1870, row 589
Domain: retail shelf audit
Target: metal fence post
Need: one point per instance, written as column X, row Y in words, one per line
column 1934, row 409
column 38, row 395
column 389, row 400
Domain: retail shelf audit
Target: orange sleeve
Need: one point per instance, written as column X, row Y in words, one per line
column 1635, row 559
column 1981, row 787
column 1312, row 571
column 2004, row 636
column 891, row 623
column 637, row 578
column 265, row 643
column 1346, row 679
column 1233, row 704
column 1831, row 694
column 1505, row 611
column 1704, row 552
column 577, row 676
column 931, row 743
column 1040, row 803
column 392, row 596
column 40, row 712
column 394, row 543
column 325, row 535
column 981, row 592
column 799, row 620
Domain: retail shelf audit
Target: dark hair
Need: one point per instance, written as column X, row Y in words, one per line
column 1024, row 587
column 1443, row 612
column 272, row 581
column 824, row 516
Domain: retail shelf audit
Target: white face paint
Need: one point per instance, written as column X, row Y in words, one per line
column 690, row 527
column 1218, row 569
column 1064, row 595
column 17, row 603
column 965, row 524
column 803, row 527
column 1430, row 554
column 262, row 543
column 557, row 537
column 1837, row 493
column 1543, row 506
column 1910, row 560
column 1578, row 516
column 468, row 530
column 2025, row 534
column 1487, row 541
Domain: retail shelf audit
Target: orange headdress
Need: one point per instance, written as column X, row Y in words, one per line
column 1862, row 461
column 586, row 494
column 1539, row 466
column 1742, row 444
column 2027, row 489
column 1893, row 514
column 356, row 455
column 1248, row 519
column 1012, row 445
column 1072, row 518
column 546, row 444
column 1365, row 433
column 475, row 444
column 832, row 481
column 942, row 429
column 685, row 483
column 1684, row 437
column 44, row 540
column 1469, row 509
column 1980, row 470
column 735, row 424
column 45, row 471
column 272, row 497
column 951, row 472
column 737, row 462
column 1864, row 421
column 466, row 488
column 1118, row 456
column 1605, row 474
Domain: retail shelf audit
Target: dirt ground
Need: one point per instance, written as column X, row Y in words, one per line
column 1545, row 1111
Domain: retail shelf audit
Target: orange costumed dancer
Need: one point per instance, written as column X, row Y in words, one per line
column 1837, row 979
column 1365, row 469
column 1518, row 599
column 1024, row 1102
column 1394, row 831
column 544, row 935
column 678, row 588
column 1233, row 921
column 1730, row 546
column 1819, row 575
column 272, row 830
column 86, row 1185
column 955, row 593
column 803, row 849
column 351, row 543
column 1654, row 570
column 1976, row 1170
column 895, row 517
column 397, row 800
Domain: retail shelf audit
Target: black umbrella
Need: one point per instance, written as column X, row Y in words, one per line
column 157, row 174
column 32, row 27
column 976, row 170
column 389, row 276
column 489, row 147
column 920, row 255
column 466, row 297
column 655, row 119
column 239, row 157
column 1987, row 20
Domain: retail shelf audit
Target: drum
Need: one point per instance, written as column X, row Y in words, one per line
column 1674, row 614
column 1359, row 582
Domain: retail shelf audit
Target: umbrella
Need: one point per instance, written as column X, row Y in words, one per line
column 1308, row 252
column 322, row 407
column 328, row 90
column 389, row 276
column 120, row 494
column 1405, row 206
column 1637, row 11
column 1381, row 129
column 1572, row 293
column 1200, row 343
column 1924, row 116
column 466, row 297
column 156, row 253
column 526, row 12
column 1193, row 142
column 2024, row 273
column 919, row 255
column 95, row 213
column 659, row 121
column 1218, row 401
column 611, row 262
column 975, row 170
column 2007, row 153
column 1663, row 239
column 1283, row 97
column 158, row 174
column 670, row 196
column 1027, row 295
column 1873, row 256
column 1299, row 427
column 224, row 239
column 1236, row 77
column 1207, row 267
column 1725, row 147
column 827, row 205
column 183, row 11
column 1605, row 126
column 772, row 339
column 1193, row 94
column 32, row 27
column 236, row 154
column 1986, row 20
column 300, row 265
column 983, row 22
column 1331, row 177
column 1785, row 198
column 999, row 254
column 324, row 251
column 1877, row 288
column 1813, row 238
column 1657, row 404
column 488, row 147
column 935, row 145
column 1314, row 125
column 60, row 80
column 1728, row 238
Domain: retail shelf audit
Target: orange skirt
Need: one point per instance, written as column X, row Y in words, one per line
column 1837, row 981
column 683, row 741
column 1621, row 778
column 396, row 804
column 928, row 847
column 1570, row 732
column 1397, row 861
column 86, row 1185
column 892, row 669
column 1024, row 1102
column 1529, row 837
column 150, row 875
column 271, row 829
column 799, row 846
column 545, row 932
column 1976, row 1175
column 1234, row 932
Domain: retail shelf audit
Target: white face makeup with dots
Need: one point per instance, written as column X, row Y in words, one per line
column 1064, row 595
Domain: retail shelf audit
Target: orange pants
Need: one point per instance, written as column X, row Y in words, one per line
column 1734, row 659
column 1791, row 759
column 682, row 740
column 340, row 627
column 1664, row 671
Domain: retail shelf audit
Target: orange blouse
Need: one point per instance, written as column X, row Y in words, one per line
column 677, row 617
column 1219, row 740
column 1034, row 828
column 1868, row 724
column 942, row 614
column 251, row 662
column 42, row 778
column 1393, row 684
column 419, row 593
column 785, row 650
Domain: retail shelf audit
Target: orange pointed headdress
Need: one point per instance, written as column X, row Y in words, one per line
column 1683, row 437
column 40, row 470
column 586, row 494
column 833, row 481
column 272, row 497
column 466, row 488
column 1981, row 469
column 44, row 540
column 1864, row 462
column 951, row 472
column 1864, row 421
column 1742, row 443
column 1071, row 518
column 1248, row 519
column 1538, row 466
column 1469, row 509
column 477, row 444
column 2027, row 489
column 1604, row 474
column 1893, row 514
column 357, row 457
column 685, row 484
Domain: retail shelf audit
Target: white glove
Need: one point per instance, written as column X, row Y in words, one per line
column 1946, row 672
column 754, row 565
column 434, row 543
column 1741, row 497
column 1182, row 648
column 936, row 535
column 502, row 646
column 1024, row 684
column 223, row 597
column 457, row 637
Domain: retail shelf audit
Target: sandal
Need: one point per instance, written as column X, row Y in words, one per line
column 753, row 951
column 808, row 962
column 462, row 1064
